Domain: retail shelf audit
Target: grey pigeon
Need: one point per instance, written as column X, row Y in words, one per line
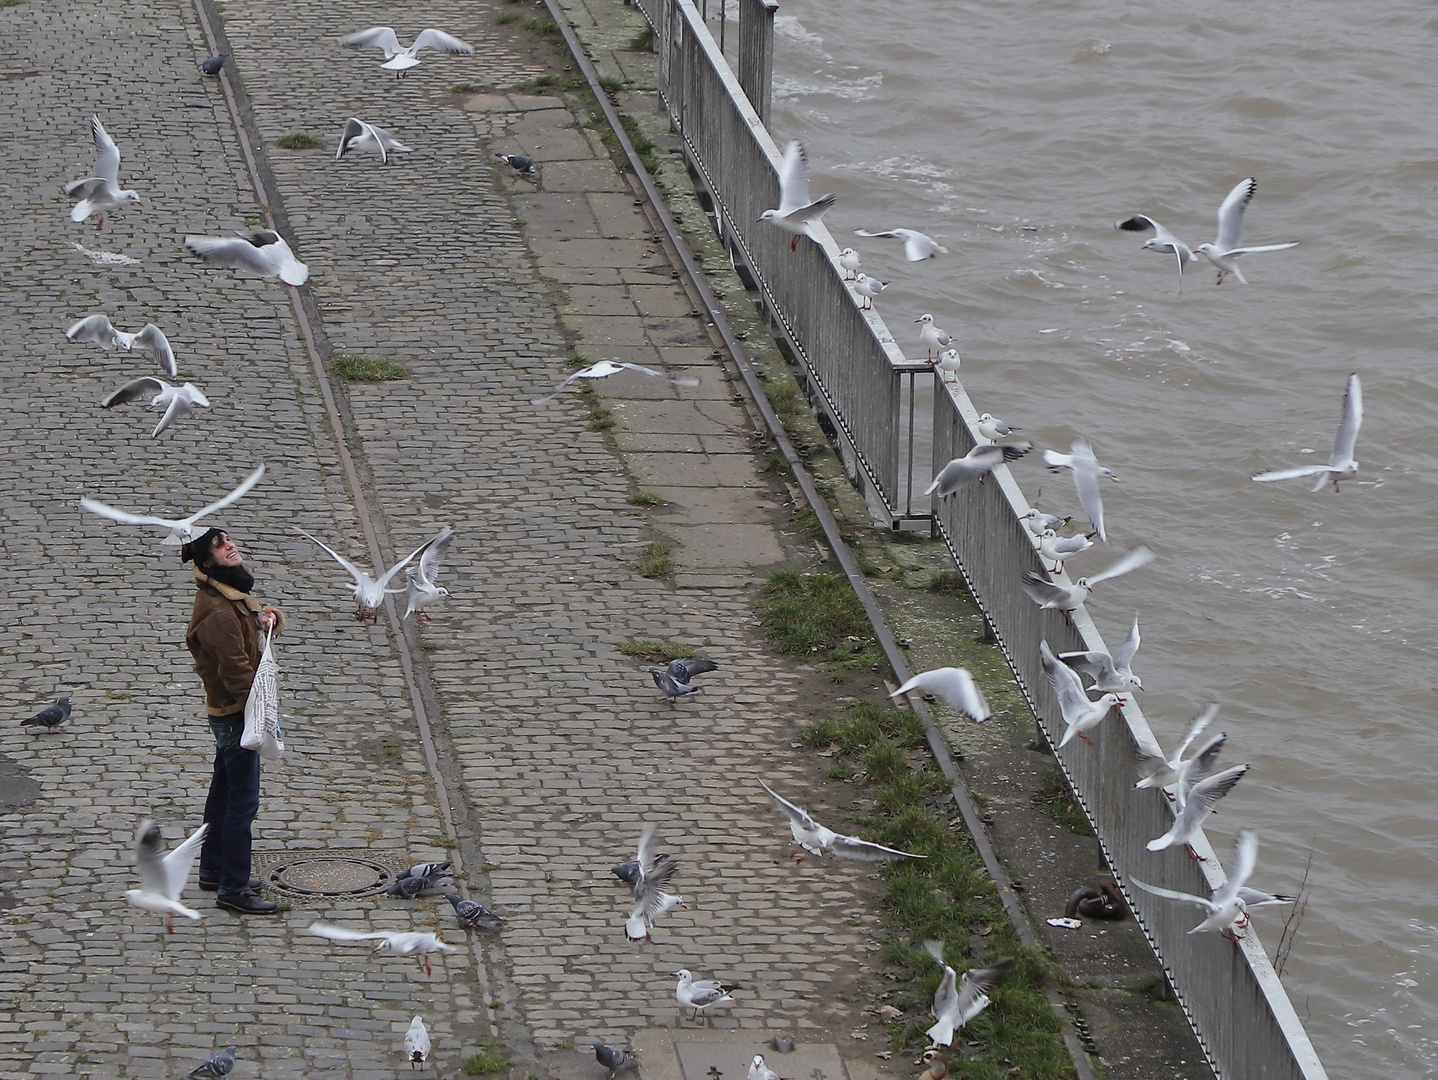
column 212, row 66
column 219, row 1065
column 628, row 872
column 673, row 681
column 425, row 869
column 412, row 886
column 50, row 719
column 475, row 915
column 612, row 1058
column 520, row 164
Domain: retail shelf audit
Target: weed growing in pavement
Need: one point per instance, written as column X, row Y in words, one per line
column 819, row 615
column 663, row 651
column 656, row 560
column 464, row 88
column 491, row 1059
column 646, row 498
column 353, row 368
column 946, row 896
column 504, row 18
column 299, row 140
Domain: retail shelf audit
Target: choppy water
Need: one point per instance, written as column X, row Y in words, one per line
column 1017, row 134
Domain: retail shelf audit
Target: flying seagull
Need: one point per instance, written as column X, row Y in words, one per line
column 701, row 994
column 399, row 59
column 262, row 253
column 955, row 686
column 149, row 338
column 177, row 401
column 1079, row 714
column 1052, row 595
column 100, row 192
column 651, row 896
column 1227, row 909
column 1109, row 672
column 162, row 876
column 959, row 1000
column 1197, row 795
column 1341, row 465
column 1162, row 241
column 184, row 530
column 369, row 592
column 975, row 465
column 795, row 213
column 604, row 369
column 400, row 944
column 420, row 589
column 1157, row 771
column 812, row 837
column 51, row 718
column 1224, row 250
column 675, row 680
column 917, row 246
column 359, row 135
column 1087, row 472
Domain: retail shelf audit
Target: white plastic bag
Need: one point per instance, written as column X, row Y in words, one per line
column 262, row 710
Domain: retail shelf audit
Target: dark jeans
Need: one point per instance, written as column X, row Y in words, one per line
column 231, row 808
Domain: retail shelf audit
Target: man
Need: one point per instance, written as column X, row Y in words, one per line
column 225, row 636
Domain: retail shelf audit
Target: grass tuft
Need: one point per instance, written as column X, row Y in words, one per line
column 643, row 41
column 646, row 498
column 504, row 18
column 656, row 560
column 655, row 650
column 1055, row 797
column 353, row 368
column 543, row 27
column 464, row 88
column 299, row 140
column 642, row 145
column 817, row 613
column 491, row 1059
column 948, row 583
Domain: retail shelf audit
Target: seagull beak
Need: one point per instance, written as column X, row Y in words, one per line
column 1114, row 478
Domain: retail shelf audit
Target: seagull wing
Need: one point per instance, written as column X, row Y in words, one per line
column 236, row 252
column 1204, row 796
column 152, row 339
column 397, row 567
column 353, row 132
column 96, row 328
column 124, row 517
column 1201, row 721
column 1123, row 655
column 1245, row 858
column 796, row 815
column 344, row 933
column 1260, row 247
column 1230, row 214
column 362, row 579
column 851, row 847
column 175, row 867
column 1066, row 685
column 1041, row 590
column 1199, row 767
column 955, row 686
column 586, row 373
column 979, row 981
column 1290, row 474
column 179, row 406
column 438, row 39
column 682, row 381
column 233, row 497
column 793, row 179
column 136, row 388
column 1139, row 556
column 1349, row 424
column 388, row 144
column 1174, row 894
column 149, row 855
column 433, row 553
column 1096, row 664
column 107, row 154
column 381, row 36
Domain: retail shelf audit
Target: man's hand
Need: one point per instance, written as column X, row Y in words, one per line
column 266, row 618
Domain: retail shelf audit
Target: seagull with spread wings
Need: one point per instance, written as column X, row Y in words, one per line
column 262, row 253
column 1227, row 909
column 149, row 338
column 183, row 530
column 163, row 876
column 651, row 880
column 400, row 944
column 177, row 401
column 359, row 135
column 100, row 192
column 917, row 246
column 795, row 212
column 815, row 838
column 1341, row 465
column 420, row 589
column 370, row 592
column 960, row 998
column 955, row 686
column 399, row 58
column 1079, row 714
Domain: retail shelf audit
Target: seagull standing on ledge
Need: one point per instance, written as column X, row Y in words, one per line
column 796, row 213
column 399, row 59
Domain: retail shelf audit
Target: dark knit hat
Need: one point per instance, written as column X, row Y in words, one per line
column 200, row 546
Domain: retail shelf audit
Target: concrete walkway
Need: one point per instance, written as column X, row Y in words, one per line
column 552, row 746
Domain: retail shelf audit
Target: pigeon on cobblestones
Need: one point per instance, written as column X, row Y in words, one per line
column 605, row 368
column 628, row 872
column 700, row 994
column 795, row 213
column 424, row 869
column 411, row 886
column 400, row 944
column 416, row 1043
column 368, row 592
column 651, row 898
column 218, row 1065
column 100, row 191
column 475, row 915
column 420, row 589
column 520, row 164
column 162, row 876
column 177, row 401
column 399, row 59
column 50, row 719
column 359, row 135
column 813, row 837
column 211, row 65
column 262, row 253
column 674, row 681
column 612, row 1058
column 183, row 530
column 149, row 338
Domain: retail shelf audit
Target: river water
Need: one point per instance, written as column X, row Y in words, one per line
column 1017, row 134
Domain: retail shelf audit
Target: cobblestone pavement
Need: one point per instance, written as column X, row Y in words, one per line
column 553, row 746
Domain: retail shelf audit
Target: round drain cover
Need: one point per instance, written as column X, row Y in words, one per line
column 330, row 875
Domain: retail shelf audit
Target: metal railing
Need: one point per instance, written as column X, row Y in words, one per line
column 861, row 381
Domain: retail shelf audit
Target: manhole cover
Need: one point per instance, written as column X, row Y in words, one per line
column 328, row 875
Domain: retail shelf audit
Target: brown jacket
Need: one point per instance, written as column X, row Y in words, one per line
column 224, row 638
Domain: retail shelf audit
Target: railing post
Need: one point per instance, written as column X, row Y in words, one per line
column 756, row 53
